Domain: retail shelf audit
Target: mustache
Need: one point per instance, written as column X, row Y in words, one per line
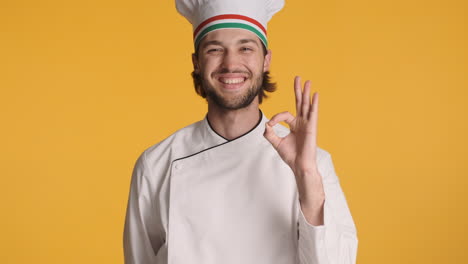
column 224, row 71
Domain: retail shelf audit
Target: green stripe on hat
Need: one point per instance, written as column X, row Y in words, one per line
column 230, row 25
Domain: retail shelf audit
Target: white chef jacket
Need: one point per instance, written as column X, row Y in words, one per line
column 198, row 198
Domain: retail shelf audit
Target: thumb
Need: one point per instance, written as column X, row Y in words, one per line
column 271, row 136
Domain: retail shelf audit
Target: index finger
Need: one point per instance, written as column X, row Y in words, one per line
column 298, row 92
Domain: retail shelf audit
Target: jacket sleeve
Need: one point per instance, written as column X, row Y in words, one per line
column 335, row 241
column 141, row 240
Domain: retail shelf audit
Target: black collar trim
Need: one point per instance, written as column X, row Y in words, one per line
column 258, row 123
column 203, row 150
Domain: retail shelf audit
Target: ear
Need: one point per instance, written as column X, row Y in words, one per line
column 267, row 61
column 196, row 68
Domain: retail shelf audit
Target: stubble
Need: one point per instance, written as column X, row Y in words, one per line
column 237, row 102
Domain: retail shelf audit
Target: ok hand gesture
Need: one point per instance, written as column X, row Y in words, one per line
column 298, row 150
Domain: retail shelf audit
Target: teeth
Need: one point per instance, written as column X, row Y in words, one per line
column 232, row 81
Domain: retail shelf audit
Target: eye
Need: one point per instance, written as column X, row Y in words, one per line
column 214, row 50
column 246, row 49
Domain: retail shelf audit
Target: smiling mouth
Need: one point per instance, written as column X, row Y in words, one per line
column 237, row 80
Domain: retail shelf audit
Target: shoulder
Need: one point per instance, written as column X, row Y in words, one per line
column 176, row 144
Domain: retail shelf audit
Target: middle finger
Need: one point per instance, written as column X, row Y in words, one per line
column 306, row 99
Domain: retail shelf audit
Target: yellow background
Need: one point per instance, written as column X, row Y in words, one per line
column 86, row 86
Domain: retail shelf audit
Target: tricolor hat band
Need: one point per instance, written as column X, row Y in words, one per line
column 229, row 21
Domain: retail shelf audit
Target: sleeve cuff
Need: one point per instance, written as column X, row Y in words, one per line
column 309, row 231
column 311, row 241
column 303, row 220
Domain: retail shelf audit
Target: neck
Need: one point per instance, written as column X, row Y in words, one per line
column 232, row 124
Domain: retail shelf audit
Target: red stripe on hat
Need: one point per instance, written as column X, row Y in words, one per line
column 228, row 16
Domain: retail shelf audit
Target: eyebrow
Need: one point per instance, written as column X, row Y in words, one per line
column 243, row 41
column 211, row 42
column 216, row 42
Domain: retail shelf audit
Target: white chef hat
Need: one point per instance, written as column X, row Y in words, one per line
column 209, row 15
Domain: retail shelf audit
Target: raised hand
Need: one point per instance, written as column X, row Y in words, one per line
column 298, row 149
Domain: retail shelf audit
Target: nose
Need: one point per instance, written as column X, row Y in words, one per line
column 230, row 61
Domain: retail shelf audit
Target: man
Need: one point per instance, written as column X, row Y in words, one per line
column 236, row 187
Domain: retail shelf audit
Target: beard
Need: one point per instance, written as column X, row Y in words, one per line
column 239, row 101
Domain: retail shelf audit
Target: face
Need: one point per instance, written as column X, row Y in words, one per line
column 231, row 63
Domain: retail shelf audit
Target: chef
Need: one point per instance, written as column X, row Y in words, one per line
column 236, row 187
